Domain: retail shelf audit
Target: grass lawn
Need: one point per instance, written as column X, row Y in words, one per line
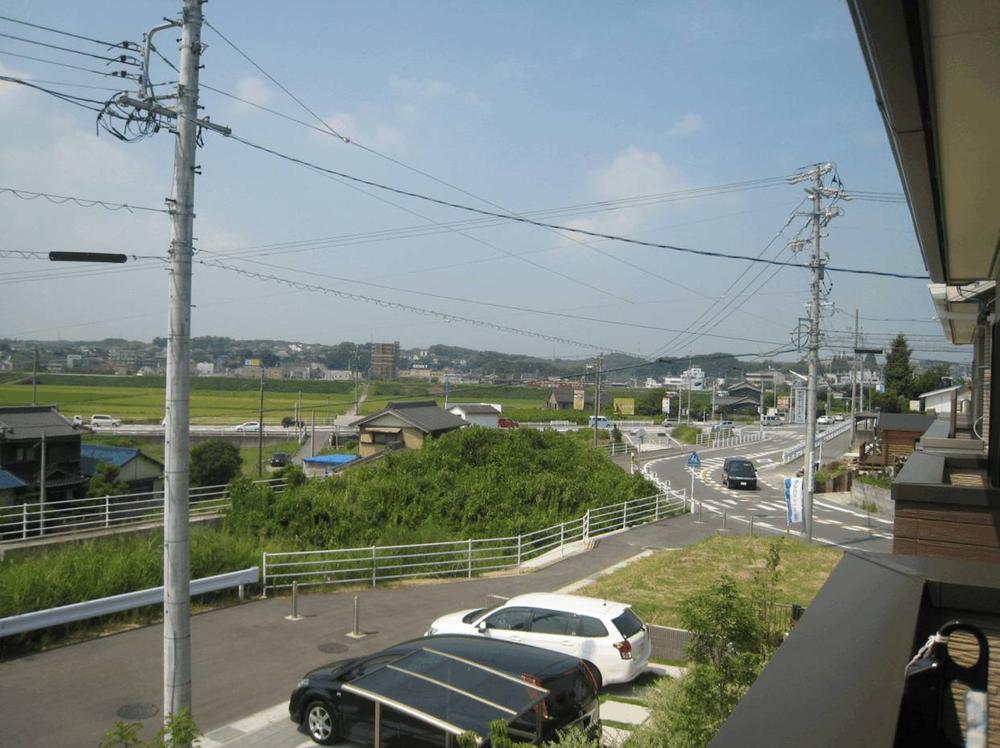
column 655, row 585
column 154, row 448
column 145, row 404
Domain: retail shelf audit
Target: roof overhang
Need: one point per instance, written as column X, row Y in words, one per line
column 935, row 69
column 960, row 308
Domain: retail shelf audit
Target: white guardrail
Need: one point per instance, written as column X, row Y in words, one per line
column 37, row 519
column 728, row 439
column 41, row 619
column 794, row 453
column 373, row 564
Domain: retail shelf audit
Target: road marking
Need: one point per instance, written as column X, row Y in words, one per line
column 845, row 510
column 258, row 721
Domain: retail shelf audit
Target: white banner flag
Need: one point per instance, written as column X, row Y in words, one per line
column 793, row 499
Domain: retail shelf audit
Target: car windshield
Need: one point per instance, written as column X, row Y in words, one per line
column 741, row 468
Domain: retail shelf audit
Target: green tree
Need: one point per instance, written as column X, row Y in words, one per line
column 898, row 371
column 106, row 483
column 931, row 379
column 214, row 462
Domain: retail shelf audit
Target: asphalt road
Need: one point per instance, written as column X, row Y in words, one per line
column 833, row 523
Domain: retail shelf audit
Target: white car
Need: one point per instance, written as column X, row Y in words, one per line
column 605, row 633
column 824, row 421
column 100, row 421
column 249, row 426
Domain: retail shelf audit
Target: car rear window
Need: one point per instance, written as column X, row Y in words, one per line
column 628, row 623
column 591, row 627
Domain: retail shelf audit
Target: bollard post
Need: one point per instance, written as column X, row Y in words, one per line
column 242, row 593
column 752, row 518
column 470, row 558
column 263, row 564
column 657, row 515
column 519, row 545
column 355, row 632
column 374, row 566
column 107, row 511
column 24, row 521
column 295, row 603
column 725, row 517
column 586, row 528
column 625, row 516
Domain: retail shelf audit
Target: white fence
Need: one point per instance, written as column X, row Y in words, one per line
column 464, row 558
column 794, row 453
column 41, row 619
column 37, row 519
column 728, row 438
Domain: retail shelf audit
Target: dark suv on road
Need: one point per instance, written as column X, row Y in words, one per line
column 739, row 471
column 329, row 713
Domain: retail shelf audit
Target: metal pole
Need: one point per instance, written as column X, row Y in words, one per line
column 725, row 517
column 761, row 428
column 357, row 618
column 41, row 491
column 176, row 538
column 470, row 558
column 692, row 489
column 34, row 379
column 854, row 382
column 260, row 426
column 312, row 438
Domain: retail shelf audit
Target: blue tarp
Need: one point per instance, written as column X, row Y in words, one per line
column 9, row 480
column 330, row 459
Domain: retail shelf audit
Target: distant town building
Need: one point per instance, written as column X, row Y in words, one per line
column 204, row 368
column 384, row 361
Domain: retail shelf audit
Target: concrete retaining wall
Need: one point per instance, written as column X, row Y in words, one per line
column 862, row 493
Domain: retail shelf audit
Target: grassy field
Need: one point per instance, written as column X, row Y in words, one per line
column 154, row 448
column 655, row 585
column 137, row 404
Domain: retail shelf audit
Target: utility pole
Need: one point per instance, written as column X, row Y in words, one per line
column 761, row 427
column 41, row 490
column 854, row 383
column 260, row 426
column 597, row 393
column 176, row 530
column 819, row 217
column 34, row 379
column 689, row 388
column 312, row 437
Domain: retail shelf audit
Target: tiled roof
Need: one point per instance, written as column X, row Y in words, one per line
column 31, row 421
column 92, row 454
column 424, row 414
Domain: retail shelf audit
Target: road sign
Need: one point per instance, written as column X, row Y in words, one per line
column 694, row 461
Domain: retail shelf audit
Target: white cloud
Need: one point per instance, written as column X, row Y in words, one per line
column 631, row 173
column 689, row 123
column 253, row 89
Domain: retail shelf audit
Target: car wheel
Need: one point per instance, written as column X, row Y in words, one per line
column 320, row 723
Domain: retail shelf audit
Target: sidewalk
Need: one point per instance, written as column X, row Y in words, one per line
column 248, row 657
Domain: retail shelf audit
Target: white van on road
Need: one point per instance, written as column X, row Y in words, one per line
column 104, row 421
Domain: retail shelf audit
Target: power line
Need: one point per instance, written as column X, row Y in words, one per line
column 82, row 202
column 79, row 101
column 542, row 224
column 120, row 45
column 121, row 59
column 105, row 73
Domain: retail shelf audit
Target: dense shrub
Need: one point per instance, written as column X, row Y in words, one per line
column 214, row 463
column 470, row 483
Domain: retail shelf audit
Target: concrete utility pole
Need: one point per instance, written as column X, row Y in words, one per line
column 854, row 383
column 597, row 393
column 176, row 532
column 820, row 218
column 34, row 379
column 260, row 425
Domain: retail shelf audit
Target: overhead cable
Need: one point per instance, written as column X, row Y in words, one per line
column 119, row 45
column 121, row 59
column 83, row 202
column 542, row 224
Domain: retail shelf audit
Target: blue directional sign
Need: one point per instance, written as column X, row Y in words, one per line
column 694, row 461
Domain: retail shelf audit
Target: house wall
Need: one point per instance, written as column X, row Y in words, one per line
column 955, row 531
column 898, row 444
column 483, row 419
column 413, row 438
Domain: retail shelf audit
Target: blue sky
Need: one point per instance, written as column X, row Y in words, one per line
column 529, row 105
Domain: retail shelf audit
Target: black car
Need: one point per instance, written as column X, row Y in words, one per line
column 290, row 422
column 279, row 459
column 739, row 471
column 328, row 712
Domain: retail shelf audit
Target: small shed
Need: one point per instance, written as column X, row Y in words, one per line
column 404, row 425
column 563, row 398
column 897, row 435
column 486, row 415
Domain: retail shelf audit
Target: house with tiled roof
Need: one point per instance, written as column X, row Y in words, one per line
column 142, row 473
column 404, row 426
column 39, row 449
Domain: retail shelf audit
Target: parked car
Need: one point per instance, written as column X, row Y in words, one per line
column 104, row 421
column 739, row 471
column 599, row 422
column 608, row 634
column 249, row 426
column 839, row 417
column 290, row 422
column 723, row 426
column 329, row 714
column 507, row 423
column 279, row 459
column 824, row 421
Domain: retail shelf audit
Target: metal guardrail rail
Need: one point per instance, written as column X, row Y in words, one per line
column 41, row 619
column 50, row 518
column 465, row 558
column 794, row 453
column 728, row 439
